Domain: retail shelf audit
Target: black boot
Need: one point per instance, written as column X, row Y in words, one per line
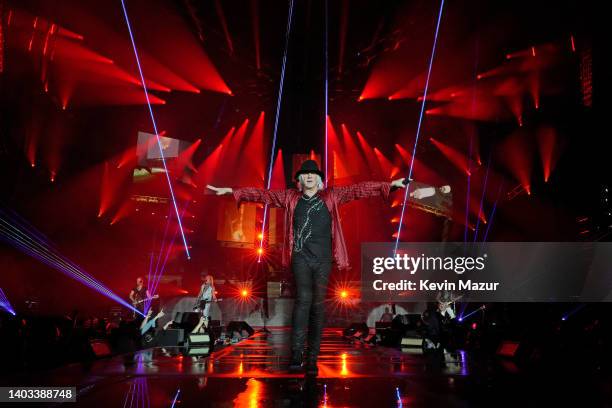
column 311, row 366
column 296, row 361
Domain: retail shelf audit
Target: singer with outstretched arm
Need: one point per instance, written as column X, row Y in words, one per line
column 313, row 241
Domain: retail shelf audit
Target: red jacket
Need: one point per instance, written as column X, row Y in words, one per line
column 332, row 197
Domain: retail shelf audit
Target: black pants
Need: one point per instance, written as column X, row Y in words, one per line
column 311, row 279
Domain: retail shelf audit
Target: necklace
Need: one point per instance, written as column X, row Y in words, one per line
column 307, row 199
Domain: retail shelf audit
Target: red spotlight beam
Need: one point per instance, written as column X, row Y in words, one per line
column 228, row 37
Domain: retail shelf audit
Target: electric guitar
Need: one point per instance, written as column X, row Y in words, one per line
column 137, row 302
column 200, row 304
column 442, row 306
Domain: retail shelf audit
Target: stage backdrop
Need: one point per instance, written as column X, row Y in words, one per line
column 240, row 227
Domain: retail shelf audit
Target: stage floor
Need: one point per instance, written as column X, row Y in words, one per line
column 254, row 373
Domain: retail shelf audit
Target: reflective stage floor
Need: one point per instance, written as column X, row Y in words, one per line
column 254, row 373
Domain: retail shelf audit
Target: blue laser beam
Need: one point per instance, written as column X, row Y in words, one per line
column 469, row 171
column 160, row 270
column 154, row 123
column 178, row 391
column 482, row 197
column 163, row 241
column 462, row 318
column 53, row 261
column 152, row 275
column 37, row 246
column 572, row 312
column 418, row 132
column 490, row 223
column 278, row 107
column 5, row 304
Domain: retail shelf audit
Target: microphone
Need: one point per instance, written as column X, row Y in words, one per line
column 406, row 181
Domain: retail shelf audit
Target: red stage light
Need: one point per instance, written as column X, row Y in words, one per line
column 344, row 294
column 549, row 149
column 460, row 160
column 244, row 293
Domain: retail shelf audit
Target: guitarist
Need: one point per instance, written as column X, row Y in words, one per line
column 446, row 304
column 205, row 297
column 139, row 294
column 446, row 309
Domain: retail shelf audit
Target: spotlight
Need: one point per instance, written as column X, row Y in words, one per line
column 244, row 293
column 259, row 251
column 344, row 294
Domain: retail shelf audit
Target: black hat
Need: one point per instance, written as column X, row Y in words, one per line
column 309, row 166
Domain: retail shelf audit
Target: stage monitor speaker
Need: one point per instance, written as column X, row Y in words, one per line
column 410, row 341
column 198, row 351
column 171, row 337
column 356, row 327
column 508, row 349
column 239, row 326
column 100, row 348
column 199, row 339
column 198, row 344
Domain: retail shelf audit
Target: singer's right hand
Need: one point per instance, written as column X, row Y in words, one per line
column 220, row 190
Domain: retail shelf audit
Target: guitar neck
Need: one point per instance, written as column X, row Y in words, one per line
column 144, row 300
